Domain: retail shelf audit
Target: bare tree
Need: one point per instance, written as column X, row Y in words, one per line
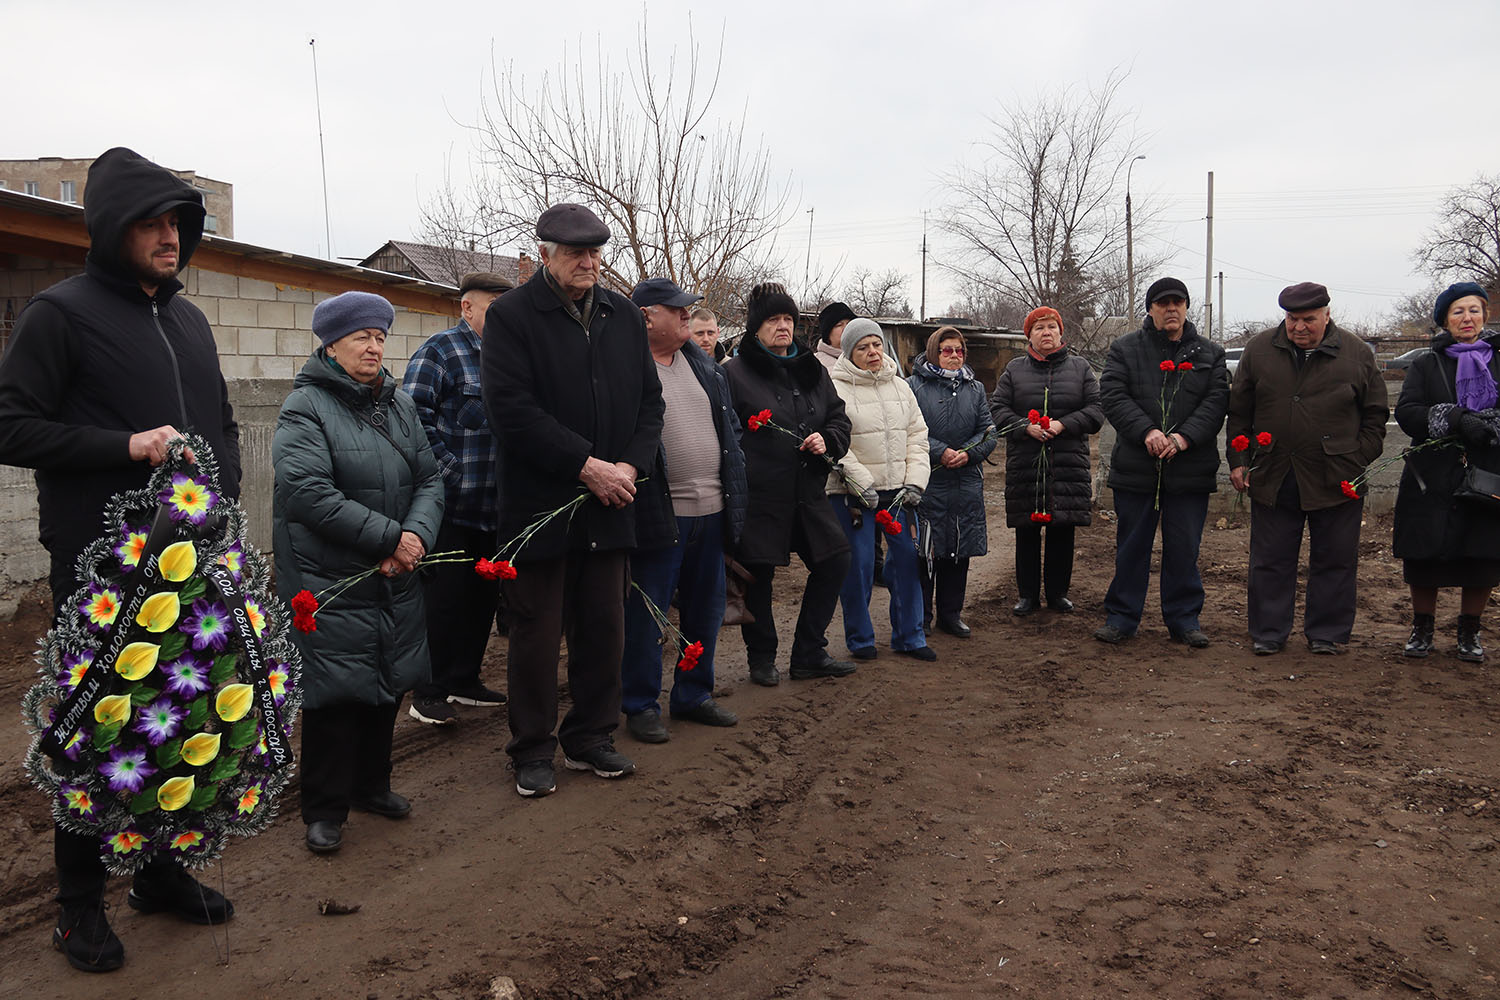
column 1464, row 244
column 686, row 196
column 883, row 294
column 1040, row 219
column 983, row 306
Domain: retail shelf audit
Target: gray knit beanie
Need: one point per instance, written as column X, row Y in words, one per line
column 343, row 314
column 857, row 330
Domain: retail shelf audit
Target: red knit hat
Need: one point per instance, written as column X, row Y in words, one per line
column 1041, row 312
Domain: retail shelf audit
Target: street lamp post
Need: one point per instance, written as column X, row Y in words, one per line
column 1130, row 240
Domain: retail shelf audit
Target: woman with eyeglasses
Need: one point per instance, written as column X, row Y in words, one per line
column 960, row 436
column 1050, row 398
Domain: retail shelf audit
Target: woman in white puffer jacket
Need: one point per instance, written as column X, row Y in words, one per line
column 880, row 483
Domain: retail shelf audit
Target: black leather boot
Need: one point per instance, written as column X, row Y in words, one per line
column 1469, row 648
column 1420, row 643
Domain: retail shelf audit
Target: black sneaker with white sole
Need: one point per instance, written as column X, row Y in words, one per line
column 477, row 695
column 432, row 711
column 535, row 778
column 605, row 761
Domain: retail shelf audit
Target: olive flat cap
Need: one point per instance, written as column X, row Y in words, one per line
column 1303, row 296
column 483, row 281
column 1164, row 288
column 571, row 225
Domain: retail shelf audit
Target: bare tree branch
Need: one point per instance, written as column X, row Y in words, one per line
column 873, row 295
column 1464, row 244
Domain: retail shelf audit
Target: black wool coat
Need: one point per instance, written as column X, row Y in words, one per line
column 1062, row 386
column 787, row 486
column 557, row 394
column 1431, row 523
column 957, row 414
column 1131, row 391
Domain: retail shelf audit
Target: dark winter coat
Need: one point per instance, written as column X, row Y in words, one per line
column 94, row 359
column 1431, row 523
column 787, row 486
column 1131, row 389
column 1063, row 387
column 343, row 496
column 957, row 416
column 656, row 526
column 1326, row 418
column 556, row 395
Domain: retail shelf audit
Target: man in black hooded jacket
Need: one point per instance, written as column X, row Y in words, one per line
column 103, row 369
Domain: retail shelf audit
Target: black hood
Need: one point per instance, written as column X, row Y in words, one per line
column 124, row 187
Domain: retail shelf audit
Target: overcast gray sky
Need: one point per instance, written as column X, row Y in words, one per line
column 1333, row 129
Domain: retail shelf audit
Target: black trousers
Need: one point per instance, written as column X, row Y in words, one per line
column 945, row 581
column 825, row 578
column 1332, row 567
column 460, row 611
column 1059, row 560
column 81, row 875
column 346, row 755
column 581, row 595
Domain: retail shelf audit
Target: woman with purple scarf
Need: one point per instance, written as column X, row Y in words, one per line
column 1443, row 539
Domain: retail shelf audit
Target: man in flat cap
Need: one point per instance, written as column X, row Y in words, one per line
column 443, row 377
column 1164, row 389
column 573, row 397
column 1316, row 390
column 688, row 515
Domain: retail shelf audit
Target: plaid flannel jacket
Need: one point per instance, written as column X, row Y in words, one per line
column 443, row 377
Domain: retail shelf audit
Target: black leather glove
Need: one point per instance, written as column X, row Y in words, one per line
column 1472, row 430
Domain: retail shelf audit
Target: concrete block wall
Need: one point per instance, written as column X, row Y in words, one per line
column 264, row 329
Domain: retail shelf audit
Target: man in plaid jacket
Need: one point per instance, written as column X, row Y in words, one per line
column 443, row 378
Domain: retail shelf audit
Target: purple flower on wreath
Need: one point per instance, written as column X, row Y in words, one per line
column 100, row 608
column 75, row 665
column 76, row 799
column 188, row 498
column 279, row 678
column 190, row 842
column 159, row 721
column 187, row 676
column 132, row 544
column 208, row 626
column 76, row 743
column 126, row 770
column 233, row 560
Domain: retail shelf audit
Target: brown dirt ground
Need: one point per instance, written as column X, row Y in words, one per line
column 1035, row 815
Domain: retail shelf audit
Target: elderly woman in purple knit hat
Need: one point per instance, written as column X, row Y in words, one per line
column 1444, row 538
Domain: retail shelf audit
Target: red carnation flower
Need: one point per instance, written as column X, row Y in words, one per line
column 1349, row 490
column 1186, row 366
column 1034, row 416
column 1168, row 366
column 883, row 517
column 488, row 570
column 758, row 420
column 507, row 571
column 893, row 527
column 1045, row 423
column 1263, row 439
column 304, row 623
column 1041, row 518
column 1240, row 442
column 304, row 603
column 690, row 656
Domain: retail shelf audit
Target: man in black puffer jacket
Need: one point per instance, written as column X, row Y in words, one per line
column 1165, row 389
column 104, row 369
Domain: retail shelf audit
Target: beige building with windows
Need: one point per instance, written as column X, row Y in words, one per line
column 63, row 179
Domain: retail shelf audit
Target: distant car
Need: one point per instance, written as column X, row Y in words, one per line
column 1402, row 361
column 1232, row 359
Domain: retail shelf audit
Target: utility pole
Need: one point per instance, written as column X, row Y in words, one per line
column 322, row 158
column 1130, row 243
column 807, row 264
column 1208, row 275
column 922, row 310
column 1221, row 307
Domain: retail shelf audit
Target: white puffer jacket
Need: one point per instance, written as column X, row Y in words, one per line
column 888, row 443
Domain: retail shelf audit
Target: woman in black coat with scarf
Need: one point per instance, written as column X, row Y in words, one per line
column 960, row 436
column 1442, row 539
column 1048, row 474
column 788, row 475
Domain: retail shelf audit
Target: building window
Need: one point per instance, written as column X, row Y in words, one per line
column 2, row 185
column 69, row 192
column 31, row 187
column 210, row 223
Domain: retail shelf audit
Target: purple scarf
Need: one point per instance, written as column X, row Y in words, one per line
column 1474, row 386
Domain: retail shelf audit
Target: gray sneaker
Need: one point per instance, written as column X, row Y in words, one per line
column 604, row 760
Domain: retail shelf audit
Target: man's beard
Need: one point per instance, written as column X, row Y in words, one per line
column 151, row 273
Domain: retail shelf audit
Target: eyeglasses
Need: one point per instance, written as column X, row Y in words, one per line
column 949, row 352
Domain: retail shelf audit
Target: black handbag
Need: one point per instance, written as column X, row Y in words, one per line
column 1479, row 486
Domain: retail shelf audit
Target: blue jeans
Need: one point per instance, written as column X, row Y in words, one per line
column 694, row 570
column 1181, row 516
column 901, row 577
